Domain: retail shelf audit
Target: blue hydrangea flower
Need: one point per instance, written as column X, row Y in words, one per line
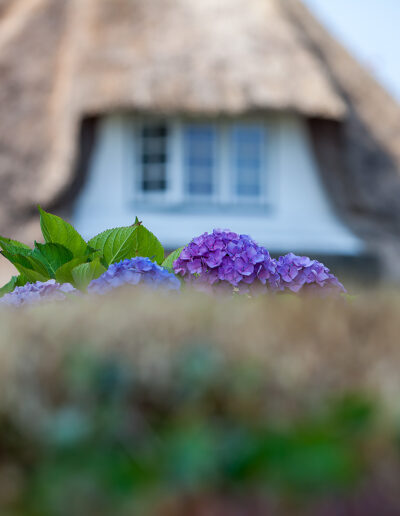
column 132, row 272
column 301, row 273
column 228, row 260
column 36, row 292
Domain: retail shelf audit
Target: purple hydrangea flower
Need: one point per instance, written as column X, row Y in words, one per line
column 224, row 259
column 36, row 292
column 132, row 272
column 300, row 272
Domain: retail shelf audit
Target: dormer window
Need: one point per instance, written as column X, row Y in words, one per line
column 179, row 161
column 187, row 175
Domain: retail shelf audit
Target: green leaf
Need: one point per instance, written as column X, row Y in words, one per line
column 64, row 273
column 16, row 258
column 92, row 253
column 21, row 280
column 53, row 256
column 127, row 242
column 169, row 260
column 8, row 241
column 147, row 244
column 85, row 273
column 115, row 244
column 10, row 248
column 23, row 257
column 57, row 231
column 9, row 287
column 31, row 275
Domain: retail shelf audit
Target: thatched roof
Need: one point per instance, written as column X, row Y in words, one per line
column 61, row 61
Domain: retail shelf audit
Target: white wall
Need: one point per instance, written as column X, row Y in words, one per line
column 299, row 216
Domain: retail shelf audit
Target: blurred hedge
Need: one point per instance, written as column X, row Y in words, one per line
column 144, row 404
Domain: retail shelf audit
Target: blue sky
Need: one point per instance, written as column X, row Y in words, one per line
column 370, row 30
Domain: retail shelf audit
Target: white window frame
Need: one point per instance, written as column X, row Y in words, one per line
column 224, row 187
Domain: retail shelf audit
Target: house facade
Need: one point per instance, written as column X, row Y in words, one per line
column 186, row 175
column 240, row 114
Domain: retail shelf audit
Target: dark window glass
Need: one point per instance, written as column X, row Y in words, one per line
column 199, row 158
column 247, row 153
column 154, row 157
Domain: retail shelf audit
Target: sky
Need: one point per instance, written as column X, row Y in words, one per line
column 370, row 30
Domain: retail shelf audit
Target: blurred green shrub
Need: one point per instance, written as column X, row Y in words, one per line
column 184, row 417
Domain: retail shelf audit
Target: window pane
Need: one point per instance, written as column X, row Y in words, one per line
column 154, row 157
column 199, row 158
column 247, row 154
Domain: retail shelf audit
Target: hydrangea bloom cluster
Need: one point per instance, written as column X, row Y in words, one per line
column 224, row 258
column 36, row 292
column 300, row 272
column 134, row 271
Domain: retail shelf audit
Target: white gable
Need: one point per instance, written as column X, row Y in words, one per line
column 288, row 211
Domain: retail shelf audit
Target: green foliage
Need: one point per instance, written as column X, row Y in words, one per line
column 15, row 281
column 11, row 249
column 147, row 244
column 4, row 241
column 53, row 256
column 57, row 231
column 144, row 401
column 181, row 442
column 9, row 287
column 169, row 260
column 85, row 273
column 127, row 242
column 24, row 259
column 66, row 256
column 39, row 264
column 31, row 275
column 115, row 244
column 64, row 273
